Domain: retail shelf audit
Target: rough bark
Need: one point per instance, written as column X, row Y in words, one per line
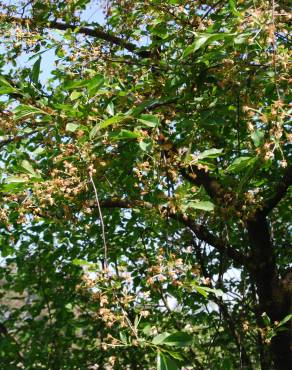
column 273, row 298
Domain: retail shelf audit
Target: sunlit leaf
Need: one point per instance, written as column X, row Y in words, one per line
column 178, row 339
column 257, row 137
column 158, row 339
column 35, row 72
column 72, row 127
column 75, row 95
column 232, row 4
column 17, row 179
column 28, row 167
column 203, row 205
column 24, row 111
column 5, row 87
column 149, row 120
column 240, row 164
column 210, row 153
column 126, row 134
column 165, row 363
column 107, row 123
column 204, row 39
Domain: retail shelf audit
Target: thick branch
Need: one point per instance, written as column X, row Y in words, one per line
column 203, row 234
column 200, row 231
column 280, row 191
column 93, row 32
column 4, row 333
column 200, row 177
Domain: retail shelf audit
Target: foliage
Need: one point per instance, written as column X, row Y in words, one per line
column 144, row 209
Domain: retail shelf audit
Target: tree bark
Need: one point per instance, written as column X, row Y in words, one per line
column 273, row 298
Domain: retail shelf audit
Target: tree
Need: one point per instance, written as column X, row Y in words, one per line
column 145, row 185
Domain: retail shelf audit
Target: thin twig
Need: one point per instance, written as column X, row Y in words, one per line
column 211, row 9
column 100, row 216
column 16, row 139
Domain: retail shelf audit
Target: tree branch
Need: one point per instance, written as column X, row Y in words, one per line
column 280, row 191
column 121, row 203
column 100, row 217
column 15, row 139
column 4, row 333
column 225, row 312
column 203, row 234
column 200, row 177
column 196, row 175
column 96, row 32
column 200, row 231
column 211, row 8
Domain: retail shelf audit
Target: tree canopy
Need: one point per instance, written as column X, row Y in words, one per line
column 144, row 185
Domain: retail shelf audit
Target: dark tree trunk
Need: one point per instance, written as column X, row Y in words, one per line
column 273, row 298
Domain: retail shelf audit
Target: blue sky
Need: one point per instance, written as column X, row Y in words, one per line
column 92, row 13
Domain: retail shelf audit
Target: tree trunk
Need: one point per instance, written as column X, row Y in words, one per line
column 273, row 298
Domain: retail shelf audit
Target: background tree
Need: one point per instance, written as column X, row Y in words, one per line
column 145, row 185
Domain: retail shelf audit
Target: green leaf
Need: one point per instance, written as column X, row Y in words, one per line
column 200, row 41
column 15, row 179
column 79, row 262
column 147, row 329
column 158, row 339
column 146, row 145
column 204, row 290
column 35, row 72
column 204, row 39
column 266, row 319
column 149, row 120
column 118, row 118
column 69, row 306
column 92, row 84
column 160, row 29
column 203, row 205
column 240, row 164
column 178, row 339
column 175, row 355
column 135, row 111
column 232, row 5
column 136, row 322
column 75, row 84
column 113, row 120
column 4, row 82
column 201, row 290
column 39, row 150
column 226, row 364
column 71, row 127
column 210, row 153
column 165, row 363
column 23, row 111
column 110, row 109
column 286, row 319
column 217, row 292
column 28, row 168
column 95, row 84
column 6, row 88
column 241, row 39
column 126, row 134
column 75, row 95
column 257, row 137
column 123, row 337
